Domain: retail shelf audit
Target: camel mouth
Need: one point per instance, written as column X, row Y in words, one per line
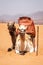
column 21, row 52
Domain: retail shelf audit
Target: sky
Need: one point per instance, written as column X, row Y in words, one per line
column 14, row 7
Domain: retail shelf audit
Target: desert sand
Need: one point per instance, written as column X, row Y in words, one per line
column 11, row 58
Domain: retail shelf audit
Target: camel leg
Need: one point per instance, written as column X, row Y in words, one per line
column 33, row 43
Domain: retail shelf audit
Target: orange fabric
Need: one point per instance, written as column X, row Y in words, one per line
column 31, row 29
column 29, row 24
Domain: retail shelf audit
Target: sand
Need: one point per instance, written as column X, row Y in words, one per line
column 11, row 58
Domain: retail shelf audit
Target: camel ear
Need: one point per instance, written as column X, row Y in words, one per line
column 18, row 29
column 13, row 22
column 26, row 27
column 7, row 24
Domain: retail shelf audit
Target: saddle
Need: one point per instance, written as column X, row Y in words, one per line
column 27, row 21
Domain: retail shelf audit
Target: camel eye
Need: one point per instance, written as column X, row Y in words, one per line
column 24, row 30
column 13, row 25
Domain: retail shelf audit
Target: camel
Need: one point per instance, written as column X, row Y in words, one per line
column 23, row 42
column 12, row 32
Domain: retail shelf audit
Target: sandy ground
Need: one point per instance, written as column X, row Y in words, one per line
column 11, row 58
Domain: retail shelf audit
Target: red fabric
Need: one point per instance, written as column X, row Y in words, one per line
column 29, row 24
